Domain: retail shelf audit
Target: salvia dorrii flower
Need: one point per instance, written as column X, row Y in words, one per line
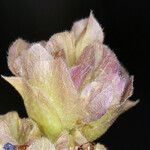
column 72, row 84
column 24, row 134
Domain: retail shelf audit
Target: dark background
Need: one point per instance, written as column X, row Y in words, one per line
column 126, row 25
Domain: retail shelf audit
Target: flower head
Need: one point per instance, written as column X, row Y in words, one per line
column 72, row 82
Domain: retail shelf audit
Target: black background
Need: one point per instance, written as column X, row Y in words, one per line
column 127, row 29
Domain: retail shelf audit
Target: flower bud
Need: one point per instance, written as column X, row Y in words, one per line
column 72, row 83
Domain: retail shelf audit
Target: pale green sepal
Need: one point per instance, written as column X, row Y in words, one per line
column 38, row 107
column 97, row 128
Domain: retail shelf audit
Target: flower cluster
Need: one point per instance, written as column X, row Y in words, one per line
column 73, row 88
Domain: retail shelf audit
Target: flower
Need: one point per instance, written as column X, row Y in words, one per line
column 16, row 131
column 72, row 82
column 24, row 134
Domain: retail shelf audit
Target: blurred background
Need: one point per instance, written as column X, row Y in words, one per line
column 126, row 25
